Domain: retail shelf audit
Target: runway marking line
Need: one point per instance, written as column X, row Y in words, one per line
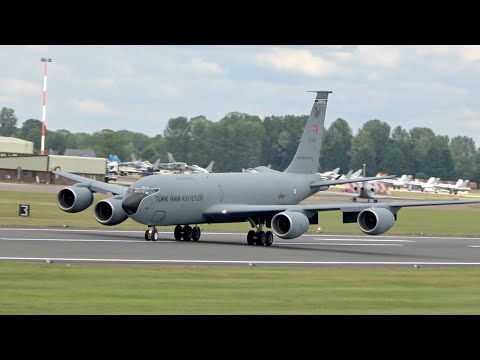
column 367, row 240
column 334, row 244
column 84, row 240
column 247, row 262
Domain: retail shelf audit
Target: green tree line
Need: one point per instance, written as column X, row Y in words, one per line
column 240, row 140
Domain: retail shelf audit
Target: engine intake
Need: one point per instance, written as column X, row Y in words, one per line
column 74, row 199
column 289, row 224
column 375, row 221
column 110, row 211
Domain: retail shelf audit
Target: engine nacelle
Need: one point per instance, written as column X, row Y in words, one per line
column 110, row 211
column 375, row 221
column 73, row 199
column 290, row 224
column 356, row 188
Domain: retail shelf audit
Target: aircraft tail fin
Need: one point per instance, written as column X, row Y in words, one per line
column 156, row 164
column 307, row 156
column 170, row 157
column 356, row 174
column 458, row 183
column 209, row 168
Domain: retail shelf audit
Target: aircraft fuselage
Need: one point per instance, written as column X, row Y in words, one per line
column 183, row 198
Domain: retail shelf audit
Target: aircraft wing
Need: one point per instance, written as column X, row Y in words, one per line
column 228, row 211
column 94, row 185
column 373, row 197
column 347, row 181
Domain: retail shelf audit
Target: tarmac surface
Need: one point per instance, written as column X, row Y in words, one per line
column 129, row 246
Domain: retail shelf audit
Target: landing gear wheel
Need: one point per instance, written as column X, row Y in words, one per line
column 251, row 237
column 187, row 233
column 196, row 233
column 268, row 238
column 154, row 235
column 260, row 238
column 178, row 232
column 147, row 235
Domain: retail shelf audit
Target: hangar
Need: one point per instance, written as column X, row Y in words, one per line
column 10, row 146
column 18, row 163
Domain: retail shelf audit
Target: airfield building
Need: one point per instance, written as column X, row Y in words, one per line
column 10, row 146
column 18, row 163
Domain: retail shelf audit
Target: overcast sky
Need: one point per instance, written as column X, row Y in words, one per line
column 139, row 88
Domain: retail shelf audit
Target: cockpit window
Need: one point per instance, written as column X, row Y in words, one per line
column 143, row 190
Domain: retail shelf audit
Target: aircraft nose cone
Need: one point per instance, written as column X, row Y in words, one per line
column 131, row 202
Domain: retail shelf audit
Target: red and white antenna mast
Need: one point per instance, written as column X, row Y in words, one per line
column 44, row 107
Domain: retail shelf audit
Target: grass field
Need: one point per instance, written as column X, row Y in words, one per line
column 41, row 288
column 118, row 289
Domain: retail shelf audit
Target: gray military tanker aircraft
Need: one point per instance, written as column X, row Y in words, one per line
column 266, row 198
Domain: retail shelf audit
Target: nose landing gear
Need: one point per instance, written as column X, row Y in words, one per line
column 151, row 234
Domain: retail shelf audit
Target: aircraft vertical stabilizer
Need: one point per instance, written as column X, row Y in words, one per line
column 209, row 168
column 307, row 156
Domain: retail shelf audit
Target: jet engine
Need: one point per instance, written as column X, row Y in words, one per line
column 375, row 221
column 289, row 224
column 109, row 211
column 356, row 188
column 74, row 199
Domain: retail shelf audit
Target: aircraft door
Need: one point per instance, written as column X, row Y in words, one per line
column 220, row 190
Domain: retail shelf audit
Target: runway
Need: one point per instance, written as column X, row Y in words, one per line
column 124, row 246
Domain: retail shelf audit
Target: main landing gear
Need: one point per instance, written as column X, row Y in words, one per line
column 259, row 237
column 187, row 233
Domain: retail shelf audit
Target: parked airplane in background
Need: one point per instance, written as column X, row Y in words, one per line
column 266, row 199
column 172, row 164
column 115, row 166
column 330, row 175
column 199, row 170
column 461, row 185
column 351, row 175
column 401, row 182
column 182, row 166
column 427, row 186
column 366, row 190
